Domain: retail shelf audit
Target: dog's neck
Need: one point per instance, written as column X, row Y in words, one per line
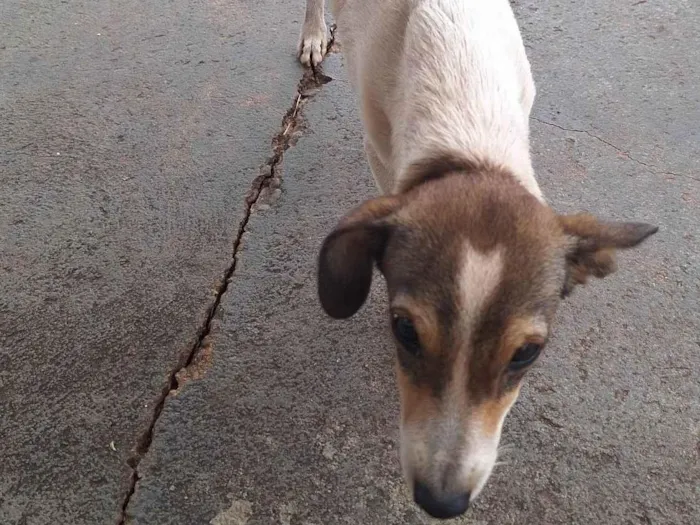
column 442, row 164
column 436, row 167
column 463, row 90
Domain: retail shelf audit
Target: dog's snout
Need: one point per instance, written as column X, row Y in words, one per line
column 442, row 506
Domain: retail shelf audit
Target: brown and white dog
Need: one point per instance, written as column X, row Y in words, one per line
column 475, row 261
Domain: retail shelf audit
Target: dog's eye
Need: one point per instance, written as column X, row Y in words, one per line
column 405, row 332
column 525, row 356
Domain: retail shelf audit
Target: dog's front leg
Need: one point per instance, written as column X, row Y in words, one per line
column 313, row 42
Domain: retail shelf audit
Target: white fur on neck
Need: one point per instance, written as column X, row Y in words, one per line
column 464, row 85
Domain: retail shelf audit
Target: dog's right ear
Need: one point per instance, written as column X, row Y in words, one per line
column 348, row 255
column 594, row 243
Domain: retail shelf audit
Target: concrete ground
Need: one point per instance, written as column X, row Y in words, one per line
column 163, row 358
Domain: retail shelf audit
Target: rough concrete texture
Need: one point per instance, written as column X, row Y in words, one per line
column 130, row 133
column 285, row 416
column 296, row 420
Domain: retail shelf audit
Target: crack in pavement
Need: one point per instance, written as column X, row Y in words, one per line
column 649, row 167
column 291, row 128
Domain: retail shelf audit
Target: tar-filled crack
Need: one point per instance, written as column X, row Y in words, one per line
column 626, row 154
column 292, row 127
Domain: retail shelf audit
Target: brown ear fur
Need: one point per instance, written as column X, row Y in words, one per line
column 348, row 254
column 594, row 244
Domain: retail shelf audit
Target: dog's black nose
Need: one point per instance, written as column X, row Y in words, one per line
column 444, row 506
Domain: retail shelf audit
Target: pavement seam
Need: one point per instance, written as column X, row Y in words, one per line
column 626, row 154
column 291, row 129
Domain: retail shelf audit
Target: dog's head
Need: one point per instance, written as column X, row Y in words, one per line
column 475, row 268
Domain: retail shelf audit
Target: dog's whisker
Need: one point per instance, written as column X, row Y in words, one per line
column 506, row 449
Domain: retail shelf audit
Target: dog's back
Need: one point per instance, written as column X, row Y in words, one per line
column 439, row 75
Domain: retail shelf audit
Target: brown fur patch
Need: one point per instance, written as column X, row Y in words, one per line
column 440, row 165
column 417, row 402
column 491, row 412
column 519, row 332
column 424, row 320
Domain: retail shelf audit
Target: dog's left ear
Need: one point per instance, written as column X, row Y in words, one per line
column 348, row 255
column 593, row 244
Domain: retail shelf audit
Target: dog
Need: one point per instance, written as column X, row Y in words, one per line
column 476, row 262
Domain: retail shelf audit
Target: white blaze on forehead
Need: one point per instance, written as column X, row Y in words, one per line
column 479, row 277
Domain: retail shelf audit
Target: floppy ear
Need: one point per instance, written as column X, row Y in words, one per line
column 594, row 243
column 348, row 255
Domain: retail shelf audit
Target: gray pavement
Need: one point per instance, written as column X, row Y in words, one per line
column 168, row 118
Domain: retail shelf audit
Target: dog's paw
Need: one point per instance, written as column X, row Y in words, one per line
column 313, row 44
